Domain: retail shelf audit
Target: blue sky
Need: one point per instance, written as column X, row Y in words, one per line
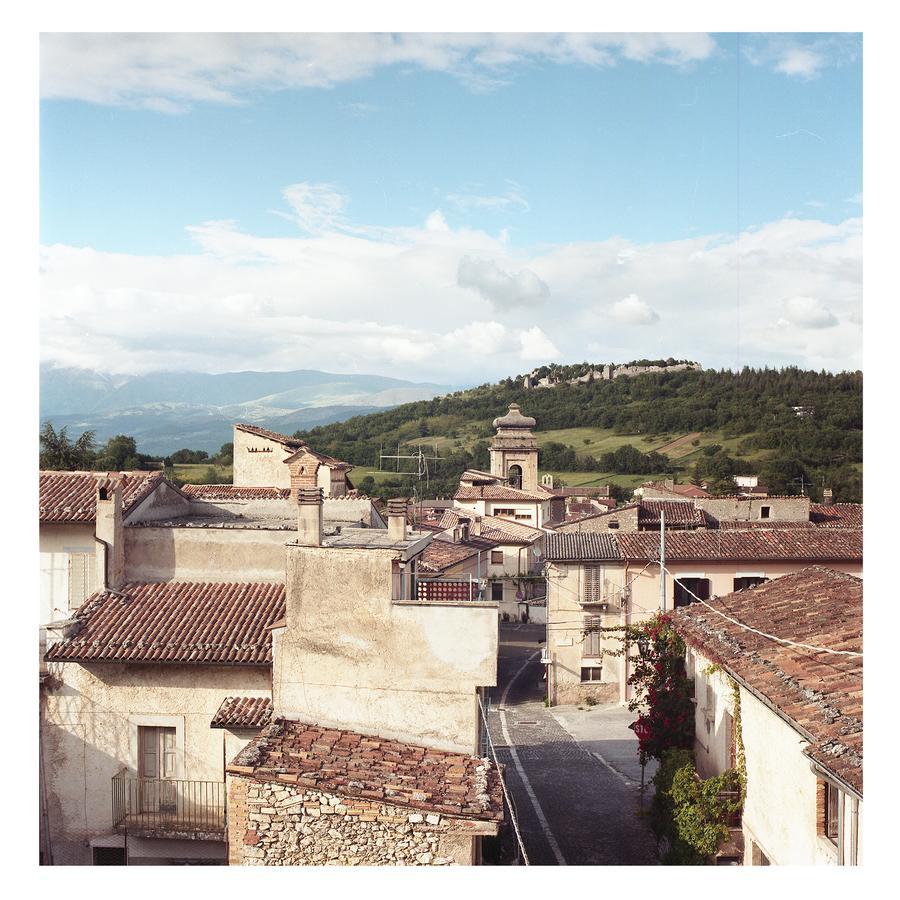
column 497, row 201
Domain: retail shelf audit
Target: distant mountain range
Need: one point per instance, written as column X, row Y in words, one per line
column 166, row 411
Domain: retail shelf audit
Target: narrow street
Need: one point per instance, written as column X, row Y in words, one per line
column 577, row 800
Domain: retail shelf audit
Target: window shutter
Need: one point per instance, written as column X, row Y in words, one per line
column 593, row 584
column 82, row 576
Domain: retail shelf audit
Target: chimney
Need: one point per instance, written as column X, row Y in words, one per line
column 464, row 529
column 110, row 534
column 397, row 519
column 309, row 517
column 475, row 527
column 827, row 497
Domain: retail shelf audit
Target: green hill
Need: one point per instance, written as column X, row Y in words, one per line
column 704, row 424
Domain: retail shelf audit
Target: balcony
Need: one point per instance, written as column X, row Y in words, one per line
column 438, row 588
column 168, row 808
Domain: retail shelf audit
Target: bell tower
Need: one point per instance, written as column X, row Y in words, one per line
column 514, row 451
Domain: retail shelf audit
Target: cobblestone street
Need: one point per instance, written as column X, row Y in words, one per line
column 576, row 804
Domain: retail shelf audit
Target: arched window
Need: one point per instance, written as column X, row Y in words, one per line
column 515, row 476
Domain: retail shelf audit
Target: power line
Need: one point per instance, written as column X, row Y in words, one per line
column 771, row 637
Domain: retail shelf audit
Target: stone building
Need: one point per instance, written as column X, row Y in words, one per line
column 260, row 456
column 514, row 451
column 796, row 712
column 214, row 622
column 302, row 795
column 610, row 579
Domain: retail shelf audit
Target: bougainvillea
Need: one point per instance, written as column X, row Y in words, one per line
column 662, row 690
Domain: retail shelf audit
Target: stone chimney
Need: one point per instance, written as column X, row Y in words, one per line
column 397, row 519
column 827, row 497
column 309, row 517
column 475, row 527
column 110, row 533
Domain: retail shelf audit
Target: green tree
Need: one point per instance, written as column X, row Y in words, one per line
column 58, row 452
column 119, row 454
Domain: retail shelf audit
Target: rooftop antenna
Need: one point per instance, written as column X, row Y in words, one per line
column 421, row 462
column 802, row 482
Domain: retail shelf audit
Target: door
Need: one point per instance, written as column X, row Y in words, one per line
column 156, row 768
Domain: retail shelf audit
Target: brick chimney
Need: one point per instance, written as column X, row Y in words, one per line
column 397, row 519
column 303, row 469
column 309, row 517
column 110, row 533
column 827, row 497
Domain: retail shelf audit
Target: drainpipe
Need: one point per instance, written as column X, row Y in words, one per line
column 662, row 560
column 840, row 834
column 854, row 830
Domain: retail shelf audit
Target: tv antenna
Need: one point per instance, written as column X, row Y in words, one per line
column 417, row 467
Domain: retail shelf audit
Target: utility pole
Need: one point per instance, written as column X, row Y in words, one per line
column 662, row 560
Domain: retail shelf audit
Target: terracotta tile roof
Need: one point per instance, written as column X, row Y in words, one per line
column 493, row 528
column 373, row 768
column 440, row 555
column 759, row 544
column 234, row 492
column 285, row 439
column 176, row 622
column 820, row 693
column 596, row 514
column 838, row 515
column 243, row 712
column 678, row 512
column 751, row 525
column 681, row 490
column 72, row 496
column 582, row 545
column 497, row 492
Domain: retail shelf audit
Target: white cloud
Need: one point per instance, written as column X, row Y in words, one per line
column 170, row 72
column 512, row 198
column 808, row 312
column 536, row 346
column 804, row 58
column 345, row 296
column 631, row 310
column 505, row 290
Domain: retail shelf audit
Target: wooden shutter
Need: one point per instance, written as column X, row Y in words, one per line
column 82, row 577
column 593, row 584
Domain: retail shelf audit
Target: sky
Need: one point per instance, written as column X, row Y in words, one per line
column 449, row 208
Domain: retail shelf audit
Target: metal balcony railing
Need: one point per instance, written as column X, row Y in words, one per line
column 168, row 807
column 447, row 588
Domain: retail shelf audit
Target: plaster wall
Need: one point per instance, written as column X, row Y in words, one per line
column 162, row 503
column 350, row 657
column 89, row 733
column 262, row 468
column 780, row 808
column 160, row 553
column 55, row 543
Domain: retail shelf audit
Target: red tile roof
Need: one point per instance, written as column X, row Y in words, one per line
column 820, row 693
column 284, row 439
column 838, row 515
column 582, row 546
column 677, row 512
column 234, row 492
column 440, row 555
column 357, row 765
column 493, row 528
column 762, row 544
column 682, row 490
column 596, row 493
column 176, row 622
column 497, row 492
column 72, row 496
column 753, row 524
column 243, row 712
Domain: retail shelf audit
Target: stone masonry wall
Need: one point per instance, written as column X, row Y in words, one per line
column 274, row 824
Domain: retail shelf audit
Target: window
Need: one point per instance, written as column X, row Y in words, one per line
column 591, row 638
column 497, row 591
column 832, row 811
column 82, row 577
column 496, row 557
column 613, row 524
column 524, row 517
column 591, row 673
column 515, row 476
column 504, row 512
column 749, row 581
column 593, row 585
column 765, row 512
column 686, row 587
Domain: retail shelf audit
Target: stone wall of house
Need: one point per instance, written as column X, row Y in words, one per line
column 624, row 520
column 275, row 824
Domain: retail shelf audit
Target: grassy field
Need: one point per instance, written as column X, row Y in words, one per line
column 191, row 473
